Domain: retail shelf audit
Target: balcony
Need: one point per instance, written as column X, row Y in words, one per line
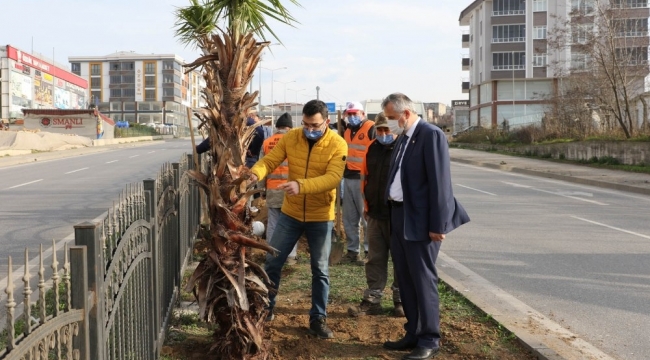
column 466, row 41
column 465, row 87
column 466, row 64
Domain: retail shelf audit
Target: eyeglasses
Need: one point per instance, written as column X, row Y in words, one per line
column 312, row 126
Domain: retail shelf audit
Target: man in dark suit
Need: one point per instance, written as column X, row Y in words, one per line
column 423, row 210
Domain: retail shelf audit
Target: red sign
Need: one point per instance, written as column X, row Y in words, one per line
column 31, row 61
column 67, row 123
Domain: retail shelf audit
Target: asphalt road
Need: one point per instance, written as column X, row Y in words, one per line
column 41, row 201
column 577, row 254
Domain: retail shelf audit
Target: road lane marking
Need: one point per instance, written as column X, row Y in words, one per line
column 109, row 162
column 133, row 156
column 151, row 152
column 555, row 193
column 612, row 227
column 74, row 171
column 481, row 191
column 23, row 184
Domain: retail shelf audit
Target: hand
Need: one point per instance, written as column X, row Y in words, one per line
column 436, row 237
column 291, row 188
column 252, row 179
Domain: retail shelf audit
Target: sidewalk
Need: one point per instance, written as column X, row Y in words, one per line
column 586, row 175
column 546, row 338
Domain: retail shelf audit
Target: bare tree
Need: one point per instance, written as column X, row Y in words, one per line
column 604, row 47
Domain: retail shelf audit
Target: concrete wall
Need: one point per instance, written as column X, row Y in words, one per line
column 626, row 152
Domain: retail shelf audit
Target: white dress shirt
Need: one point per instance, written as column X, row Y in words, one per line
column 395, row 192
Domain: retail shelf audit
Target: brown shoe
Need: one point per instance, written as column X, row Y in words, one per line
column 365, row 308
column 350, row 257
column 398, row 310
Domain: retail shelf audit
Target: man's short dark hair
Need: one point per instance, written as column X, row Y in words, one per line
column 314, row 107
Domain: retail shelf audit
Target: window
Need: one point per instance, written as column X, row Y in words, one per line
column 508, row 33
column 95, row 82
column 580, row 33
column 116, row 79
column 149, row 81
column 579, row 61
column 150, row 95
column 149, row 68
column 583, row 6
column 539, row 32
column 168, row 65
column 629, row 4
column 95, row 69
column 508, row 7
column 168, row 92
column 168, row 79
column 539, row 60
column 128, row 79
column 75, row 68
column 539, row 5
column 116, row 92
column 632, row 55
column 115, row 66
column 177, row 79
column 128, row 93
column 630, row 27
column 95, row 96
column 509, row 60
column 128, row 65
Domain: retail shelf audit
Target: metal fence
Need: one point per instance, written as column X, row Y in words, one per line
column 116, row 291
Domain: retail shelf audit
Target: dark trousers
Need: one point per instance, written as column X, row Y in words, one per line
column 415, row 268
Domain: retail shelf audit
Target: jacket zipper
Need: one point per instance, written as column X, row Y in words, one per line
column 304, row 200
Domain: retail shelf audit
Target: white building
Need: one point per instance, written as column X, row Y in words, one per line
column 140, row 88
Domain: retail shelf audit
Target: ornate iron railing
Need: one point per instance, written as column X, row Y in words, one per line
column 121, row 282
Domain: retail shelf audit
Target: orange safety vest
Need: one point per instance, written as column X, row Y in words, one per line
column 280, row 175
column 358, row 146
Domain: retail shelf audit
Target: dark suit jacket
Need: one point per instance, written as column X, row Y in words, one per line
column 429, row 203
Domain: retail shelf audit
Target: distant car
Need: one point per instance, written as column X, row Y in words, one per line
column 466, row 130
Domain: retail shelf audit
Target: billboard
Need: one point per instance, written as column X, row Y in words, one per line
column 21, row 89
column 139, row 82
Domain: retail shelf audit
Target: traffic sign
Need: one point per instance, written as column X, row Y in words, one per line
column 331, row 107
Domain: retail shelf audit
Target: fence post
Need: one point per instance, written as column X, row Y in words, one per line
column 179, row 254
column 87, row 234
column 151, row 205
column 79, row 282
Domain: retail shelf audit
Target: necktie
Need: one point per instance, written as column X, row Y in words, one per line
column 402, row 146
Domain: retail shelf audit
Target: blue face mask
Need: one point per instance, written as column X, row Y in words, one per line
column 312, row 135
column 354, row 120
column 385, row 139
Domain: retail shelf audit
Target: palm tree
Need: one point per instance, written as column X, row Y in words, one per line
column 232, row 291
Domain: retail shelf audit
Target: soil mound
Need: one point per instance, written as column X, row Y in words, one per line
column 41, row 141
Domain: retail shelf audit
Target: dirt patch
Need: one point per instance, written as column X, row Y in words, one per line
column 467, row 333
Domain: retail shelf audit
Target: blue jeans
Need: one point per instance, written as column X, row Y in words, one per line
column 319, row 237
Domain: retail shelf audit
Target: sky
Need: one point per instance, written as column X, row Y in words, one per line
column 353, row 50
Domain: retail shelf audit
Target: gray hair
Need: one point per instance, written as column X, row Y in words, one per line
column 400, row 103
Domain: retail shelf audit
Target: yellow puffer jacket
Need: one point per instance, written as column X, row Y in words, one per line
column 318, row 172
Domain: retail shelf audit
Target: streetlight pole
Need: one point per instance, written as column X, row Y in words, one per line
column 259, row 95
column 296, row 116
column 285, row 89
column 272, row 105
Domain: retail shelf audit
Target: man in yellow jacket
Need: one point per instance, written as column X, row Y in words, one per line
column 316, row 159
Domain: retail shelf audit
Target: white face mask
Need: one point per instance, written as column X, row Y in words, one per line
column 394, row 127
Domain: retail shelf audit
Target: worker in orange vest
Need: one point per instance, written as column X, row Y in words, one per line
column 279, row 176
column 359, row 135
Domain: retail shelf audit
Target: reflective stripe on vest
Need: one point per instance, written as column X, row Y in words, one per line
column 280, row 175
column 358, row 146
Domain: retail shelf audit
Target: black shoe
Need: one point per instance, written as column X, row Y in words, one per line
column 270, row 316
column 401, row 344
column 319, row 329
column 420, row 353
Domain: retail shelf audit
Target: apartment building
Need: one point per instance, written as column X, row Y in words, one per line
column 509, row 58
column 140, row 88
